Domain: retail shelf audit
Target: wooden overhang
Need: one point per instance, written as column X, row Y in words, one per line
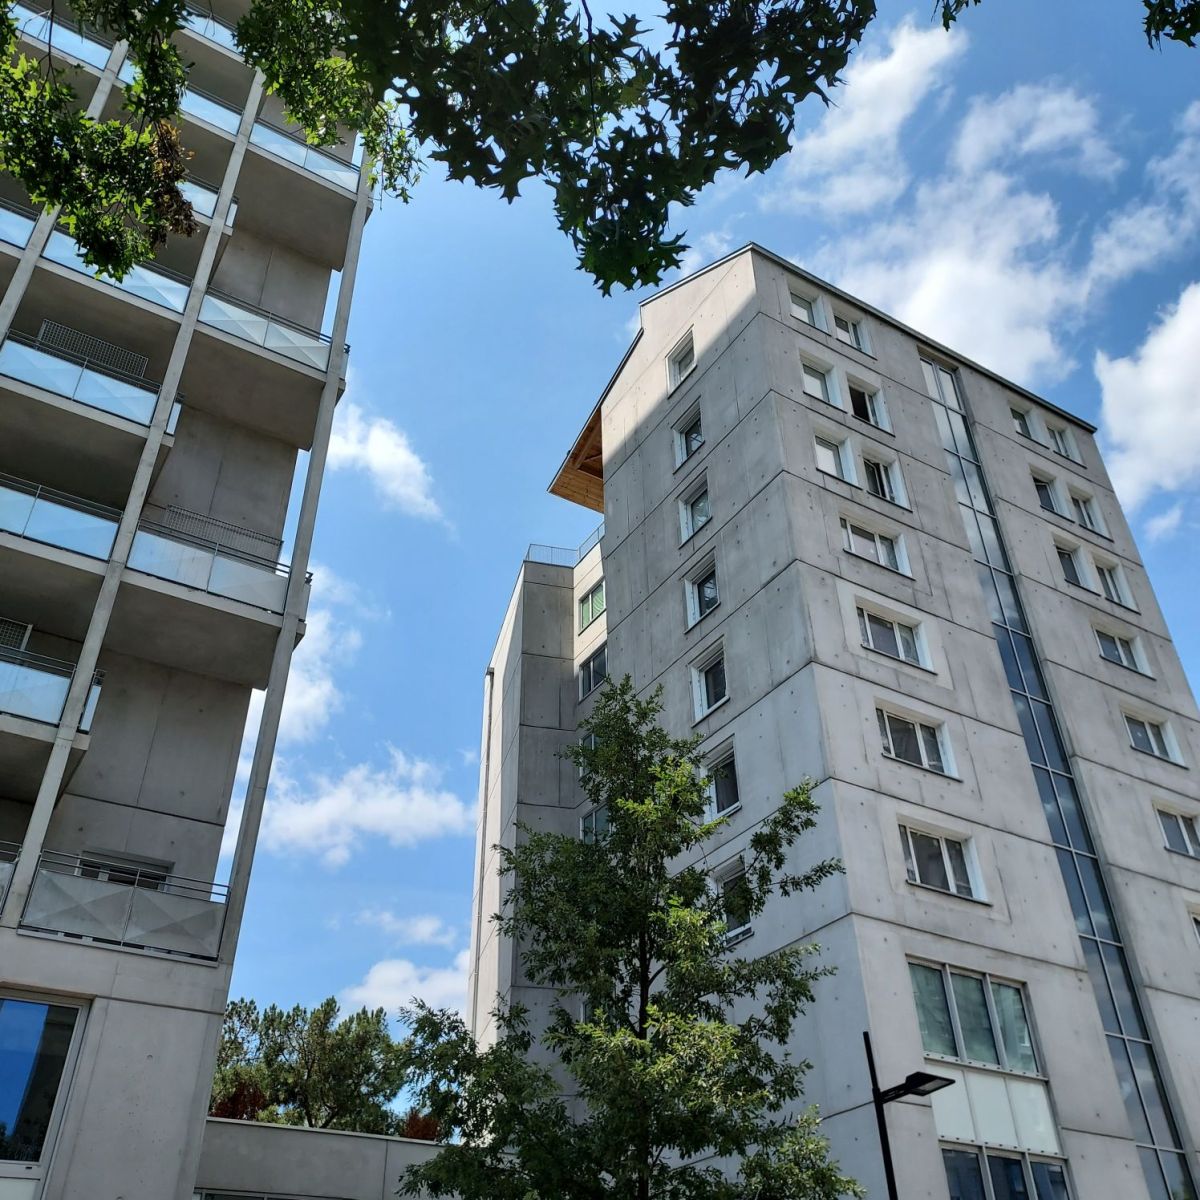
column 581, row 477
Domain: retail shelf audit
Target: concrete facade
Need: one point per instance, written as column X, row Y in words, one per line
column 150, row 434
column 1068, row 926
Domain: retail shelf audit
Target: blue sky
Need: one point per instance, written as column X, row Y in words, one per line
column 1026, row 189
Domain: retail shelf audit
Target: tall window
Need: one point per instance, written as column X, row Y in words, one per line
column 35, row 1043
column 1150, row 737
column 867, row 406
column 832, row 457
column 591, row 605
column 1182, row 833
column 594, row 671
column 883, row 479
column 912, row 742
column 893, row 638
column 709, row 685
column 1061, row 440
column 816, row 383
column 1069, row 561
column 695, row 511
column 723, row 788
column 682, row 360
column 735, row 898
column 1045, row 494
column 594, row 823
column 850, row 332
column 938, row 861
column 878, row 547
column 701, row 593
column 1021, row 422
column 689, row 437
column 1084, row 508
column 1112, row 584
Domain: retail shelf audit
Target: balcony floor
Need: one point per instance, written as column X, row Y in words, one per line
column 24, row 750
column 54, row 590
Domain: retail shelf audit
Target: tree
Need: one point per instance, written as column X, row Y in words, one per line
column 314, row 1068
column 667, row 1049
column 623, row 117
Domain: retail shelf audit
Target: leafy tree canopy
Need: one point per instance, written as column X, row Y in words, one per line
column 314, row 1068
column 662, row 1071
column 623, row 116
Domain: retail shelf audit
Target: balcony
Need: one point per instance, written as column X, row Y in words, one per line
column 155, row 285
column 118, row 904
column 16, row 223
column 211, row 28
column 69, row 39
column 42, row 514
column 203, row 198
column 299, row 153
column 9, row 853
column 262, row 328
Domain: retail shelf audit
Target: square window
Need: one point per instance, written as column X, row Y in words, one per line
column 709, row 685
column 882, row 479
column 805, row 310
column 594, row 671
column 913, row 742
column 816, row 383
column 867, row 406
column 1182, row 834
column 593, row 825
column 701, row 593
column 694, row 513
column 724, row 787
column 682, row 361
column 1118, row 649
column 1021, row 422
column 1150, row 737
column 1045, row 494
column 591, row 605
column 849, row 331
column 1069, row 561
column 689, row 437
column 831, row 458
column 878, row 547
column 937, row 861
column 893, row 638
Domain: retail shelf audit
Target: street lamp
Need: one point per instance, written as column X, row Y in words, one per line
column 919, row 1083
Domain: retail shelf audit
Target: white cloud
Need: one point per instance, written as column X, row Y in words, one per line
column 381, row 449
column 392, row 983
column 1165, row 524
column 851, row 162
column 400, row 803
column 1149, row 415
column 1035, row 119
column 421, row 930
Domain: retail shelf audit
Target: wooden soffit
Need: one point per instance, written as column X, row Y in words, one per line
column 581, row 477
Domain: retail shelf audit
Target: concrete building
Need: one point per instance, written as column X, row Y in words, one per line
column 150, row 435
column 848, row 553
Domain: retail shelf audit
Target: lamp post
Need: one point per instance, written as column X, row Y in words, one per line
column 919, row 1083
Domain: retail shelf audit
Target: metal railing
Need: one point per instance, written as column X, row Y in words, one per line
column 266, row 329
column 55, row 518
column 122, row 904
column 16, row 222
column 9, row 853
column 67, row 37
column 210, row 27
column 294, row 149
column 564, row 556
column 159, row 285
column 209, row 566
column 35, row 687
column 80, row 378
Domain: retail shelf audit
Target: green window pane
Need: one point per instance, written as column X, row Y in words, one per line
column 933, row 1011
column 1014, row 1027
column 973, row 1020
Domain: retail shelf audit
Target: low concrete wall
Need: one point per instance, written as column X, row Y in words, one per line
column 246, row 1158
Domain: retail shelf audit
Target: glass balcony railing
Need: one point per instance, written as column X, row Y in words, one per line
column 9, row 853
column 35, row 687
column 262, row 328
column 16, row 223
column 203, row 198
column 77, row 378
column 211, row 27
column 56, row 518
column 295, row 150
column 209, row 566
column 199, row 104
column 156, row 284
column 68, row 38
column 123, row 904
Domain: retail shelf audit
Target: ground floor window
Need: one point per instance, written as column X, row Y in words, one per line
column 980, row 1174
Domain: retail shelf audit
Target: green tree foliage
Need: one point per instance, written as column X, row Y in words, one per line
column 623, row 117
column 680, row 1063
column 314, row 1068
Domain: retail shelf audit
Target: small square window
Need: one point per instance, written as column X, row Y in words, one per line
column 1150, row 737
column 1182, row 834
column 702, row 593
column 938, row 861
column 831, row 457
column 682, row 361
column 893, row 638
column 594, row 671
column 736, row 900
column 1061, row 441
column 804, row 310
column 883, row 480
column 849, row 331
column 1112, row 584
column 689, row 437
column 591, row 605
column 816, row 383
column 694, row 513
column 709, row 685
column 867, row 406
column 1021, row 422
column 878, row 547
column 1086, row 513
column 1117, row 649
column 1045, row 494
column 1069, row 561
column 723, row 788
column 912, row 742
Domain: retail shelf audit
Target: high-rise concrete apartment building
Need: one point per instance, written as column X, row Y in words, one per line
column 846, row 552
column 150, row 432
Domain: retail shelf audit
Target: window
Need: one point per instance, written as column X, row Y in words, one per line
column 1111, row 583
column 701, row 593
column 723, row 787
column 912, row 742
column 867, row 406
column 878, row 547
column 735, row 899
column 937, row 861
column 689, row 437
column 682, row 361
column 1012, row 1176
column 593, row 825
column 1061, row 441
column 694, row 512
column 883, row 480
column 1045, row 494
column 816, row 383
column 849, row 331
column 1021, row 422
column 890, row 637
column 1196, row 924
column 832, row 458
column 972, row 1017
column 1150, row 737
column 35, row 1045
column 132, row 872
column 587, row 742
column 1085, row 512
column 594, row 671
column 1118, row 650
column 591, row 605
column 1069, row 560
column 709, row 687
column 805, row 310
column 1182, row 833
